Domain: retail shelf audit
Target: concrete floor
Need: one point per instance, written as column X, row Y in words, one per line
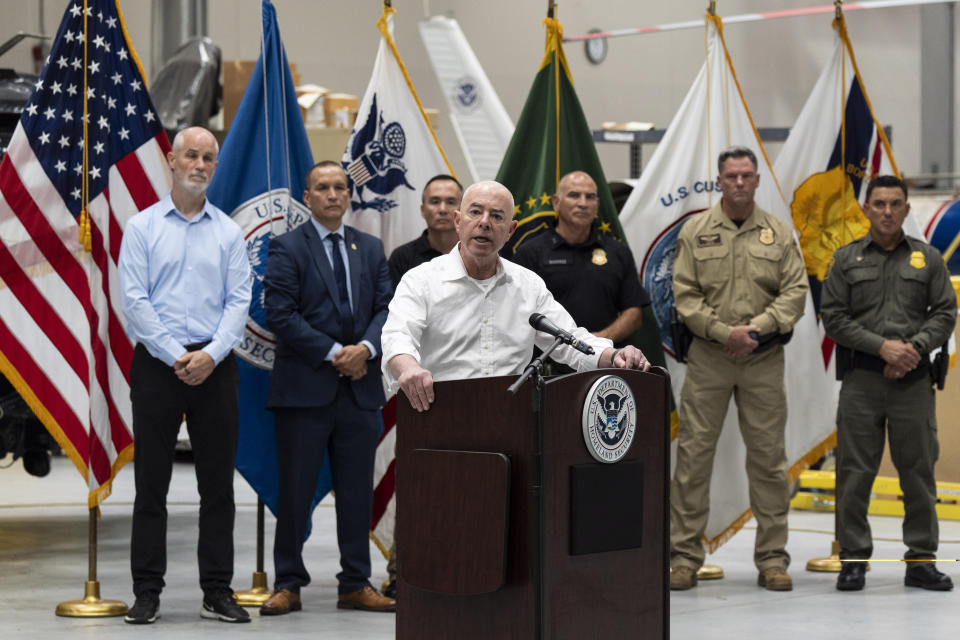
column 43, row 561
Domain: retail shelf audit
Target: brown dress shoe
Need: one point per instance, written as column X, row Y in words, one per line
column 775, row 579
column 282, row 601
column 366, row 599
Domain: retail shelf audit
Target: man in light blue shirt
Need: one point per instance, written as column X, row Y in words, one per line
column 185, row 278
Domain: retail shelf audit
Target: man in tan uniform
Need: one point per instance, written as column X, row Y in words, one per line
column 888, row 302
column 740, row 286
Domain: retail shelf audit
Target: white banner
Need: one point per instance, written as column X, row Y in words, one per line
column 479, row 118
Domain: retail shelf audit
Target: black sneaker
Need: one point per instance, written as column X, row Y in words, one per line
column 145, row 610
column 926, row 576
column 220, row 605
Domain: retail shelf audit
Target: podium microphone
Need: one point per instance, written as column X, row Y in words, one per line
column 539, row 322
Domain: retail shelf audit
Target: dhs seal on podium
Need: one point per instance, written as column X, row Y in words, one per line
column 609, row 419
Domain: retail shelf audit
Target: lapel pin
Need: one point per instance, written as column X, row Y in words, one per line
column 353, row 246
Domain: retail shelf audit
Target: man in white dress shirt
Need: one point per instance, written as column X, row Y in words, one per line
column 464, row 314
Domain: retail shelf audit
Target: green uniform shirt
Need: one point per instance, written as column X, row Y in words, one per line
column 724, row 276
column 871, row 295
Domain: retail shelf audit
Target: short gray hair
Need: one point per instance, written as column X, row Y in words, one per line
column 736, row 152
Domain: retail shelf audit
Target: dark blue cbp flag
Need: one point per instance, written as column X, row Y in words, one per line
column 259, row 182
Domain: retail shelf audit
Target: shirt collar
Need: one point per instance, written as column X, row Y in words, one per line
column 454, row 269
column 868, row 240
column 323, row 232
column 559, row 241
column 167, row 207
column 722, row 219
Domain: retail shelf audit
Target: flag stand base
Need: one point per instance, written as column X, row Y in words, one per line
column 259, row 592
column 255, row 595
column 91, row 606
column 831, row 564
column 709, row 572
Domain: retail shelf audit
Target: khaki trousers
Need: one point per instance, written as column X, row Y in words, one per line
column 756, row 383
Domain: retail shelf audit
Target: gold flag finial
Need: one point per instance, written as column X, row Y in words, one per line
column 839, row 8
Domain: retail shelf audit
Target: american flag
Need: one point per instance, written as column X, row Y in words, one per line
column 384, row 515
column 89, row 137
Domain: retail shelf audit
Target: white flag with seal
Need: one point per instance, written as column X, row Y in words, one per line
column 679, row 181
column 392, row 151
column 391, row 154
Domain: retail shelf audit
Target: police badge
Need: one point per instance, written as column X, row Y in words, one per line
column 599, row 257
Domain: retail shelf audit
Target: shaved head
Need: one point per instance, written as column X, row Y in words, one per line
column 491, row 187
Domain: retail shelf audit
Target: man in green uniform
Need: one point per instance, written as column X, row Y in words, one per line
column 738, row 283
column 887, row 302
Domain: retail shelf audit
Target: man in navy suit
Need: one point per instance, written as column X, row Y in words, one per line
column 326, row 287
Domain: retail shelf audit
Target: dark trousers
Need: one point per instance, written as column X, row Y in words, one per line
column 160, row 401
column 349, row 434
column 871, row 409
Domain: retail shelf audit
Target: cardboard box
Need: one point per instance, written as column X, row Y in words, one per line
column 327, row 143
column 236, row 76
column 341, row 110
column 312, row 99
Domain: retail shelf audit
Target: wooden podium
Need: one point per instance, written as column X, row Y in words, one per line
column 507, row 527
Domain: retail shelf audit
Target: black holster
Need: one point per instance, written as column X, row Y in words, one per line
column 680, row 335
column 941, row 362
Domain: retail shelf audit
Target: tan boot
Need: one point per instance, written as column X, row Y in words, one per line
column 682, row 578
column 775, row 579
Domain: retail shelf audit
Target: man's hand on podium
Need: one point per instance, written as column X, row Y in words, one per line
column 415, row 381
column 628, row 357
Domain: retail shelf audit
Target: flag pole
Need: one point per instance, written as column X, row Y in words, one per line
column 832, row 563
column 259, row 592
column 710, row 571
column 91, row 606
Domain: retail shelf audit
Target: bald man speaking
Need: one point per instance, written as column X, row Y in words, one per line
column 464, row 314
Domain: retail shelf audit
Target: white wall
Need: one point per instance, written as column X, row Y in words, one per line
column 643, row 78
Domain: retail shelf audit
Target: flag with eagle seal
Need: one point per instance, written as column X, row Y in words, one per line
column 391, row 154
column 392, row 151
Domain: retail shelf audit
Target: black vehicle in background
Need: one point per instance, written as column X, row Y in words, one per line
column 15, row 90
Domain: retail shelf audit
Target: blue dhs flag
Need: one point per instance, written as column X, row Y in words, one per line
column 259, row 182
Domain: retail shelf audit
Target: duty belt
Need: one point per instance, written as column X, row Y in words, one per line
column 861, row 360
